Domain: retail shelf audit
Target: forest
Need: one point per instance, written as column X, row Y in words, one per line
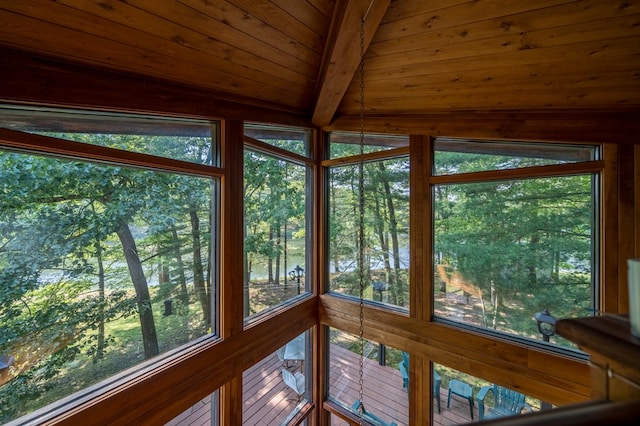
column 508, row 242
column 104, row 266
column 90, row 254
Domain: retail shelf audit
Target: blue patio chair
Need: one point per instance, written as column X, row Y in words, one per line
column 370, row 417
column 507, row 402
column 462, row 389
column 6, row 361
column 295, row 381
column 436, row 388
column 403, row 366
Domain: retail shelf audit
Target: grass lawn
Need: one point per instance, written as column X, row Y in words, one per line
column 124, row 349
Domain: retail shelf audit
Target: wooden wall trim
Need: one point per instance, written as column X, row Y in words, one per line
column 31, row 79
column 320, row 416
column 339, row 63
column 51, row 145
column 419, row 225
column 591, row 413
column 166, row 390
column 609, row 231
column 626, row 221
column 370, row 156
column 232, row 230
column 542, row 374
column 562, row 126
column 636, row 179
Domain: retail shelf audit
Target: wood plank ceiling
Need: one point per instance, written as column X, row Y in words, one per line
column 424, row 56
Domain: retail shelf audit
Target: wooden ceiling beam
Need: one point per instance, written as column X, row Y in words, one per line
column 342, row 53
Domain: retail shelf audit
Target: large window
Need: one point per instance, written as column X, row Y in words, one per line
column 276, row 389
column 345, row 144
column 186, row 140
column 460, row 398
column 385, row 375
column 103, row 265
column 203, row 412
column 277, row 216
column 515, row 235
column 386, row 218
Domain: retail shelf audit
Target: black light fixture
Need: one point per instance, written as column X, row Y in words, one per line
column 296, row 274
column 546, row 324
column 6, row 361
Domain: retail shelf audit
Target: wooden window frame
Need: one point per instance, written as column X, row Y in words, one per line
column 583, row 167
column 538, row 372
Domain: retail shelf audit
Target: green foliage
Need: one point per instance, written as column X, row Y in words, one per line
column 386, row 225
column 524, row 244
column 64, row 282
column 275, row 208
column 52, row 325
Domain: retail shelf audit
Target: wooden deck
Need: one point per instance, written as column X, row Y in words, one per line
column 384, row 395
column 268, row 401
column 383, row 391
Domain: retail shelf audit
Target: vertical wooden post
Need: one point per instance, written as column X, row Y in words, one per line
column 231, row 289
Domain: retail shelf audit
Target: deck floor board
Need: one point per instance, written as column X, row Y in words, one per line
column 268, row 401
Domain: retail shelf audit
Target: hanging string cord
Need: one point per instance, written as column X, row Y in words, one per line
column 364, row 17
column 361, row 225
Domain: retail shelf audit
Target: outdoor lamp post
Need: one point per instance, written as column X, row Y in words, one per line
column 296, row 274
column 546, row 327
column 546, row 324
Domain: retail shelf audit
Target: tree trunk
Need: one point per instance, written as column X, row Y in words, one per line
column 496, row 308
column 393, row 230
column 278, row 256
column 270, row 257
column 247, row 277
column 147, row 324
column 334, row 239
column 532, row 262
column 101, row 286
column 285, row 277
column 184, row 293
column 248, row 267
column 384, row 247
column 356, row 224
column 198, row 271
column 555, row 268
column 163, row 273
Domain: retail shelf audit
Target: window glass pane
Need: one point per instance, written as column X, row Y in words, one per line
column 296, row 140
column 204, row 412
column 453, row 156
column 386, row 231
column 276, row 208
column 276, row 388
column 337, row 421
column 101, row 267
column 348, row 144
column 385, row 390
column 507, row 250
column 464, row 398
column 187, row 140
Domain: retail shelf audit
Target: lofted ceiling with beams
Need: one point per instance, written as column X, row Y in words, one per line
column 422, row 56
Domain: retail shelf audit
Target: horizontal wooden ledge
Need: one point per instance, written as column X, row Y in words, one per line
column 167, row 389
column 560, row 125
column 50, row 145
column 273, row 150
column 372, row 156
column 44, row 80
column 537, row 372
column 552, row 170
column 591, row 413
column 608, row 335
